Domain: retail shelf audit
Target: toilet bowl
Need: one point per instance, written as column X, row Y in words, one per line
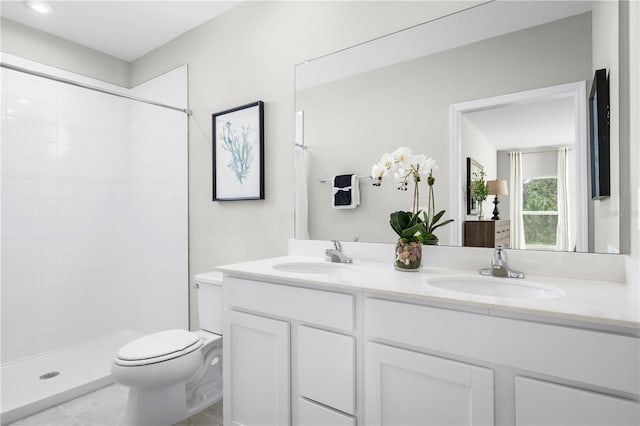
column 174, row 374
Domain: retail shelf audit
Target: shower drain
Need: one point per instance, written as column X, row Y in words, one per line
column 50, row 375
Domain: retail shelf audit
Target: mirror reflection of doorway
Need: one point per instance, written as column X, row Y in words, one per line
column 547, row 198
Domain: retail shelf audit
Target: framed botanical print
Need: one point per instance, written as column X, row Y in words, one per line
column 238, row 153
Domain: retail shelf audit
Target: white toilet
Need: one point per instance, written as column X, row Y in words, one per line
column 174, row 374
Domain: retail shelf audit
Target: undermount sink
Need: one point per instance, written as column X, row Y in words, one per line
column 309, row 267
column 496, row 287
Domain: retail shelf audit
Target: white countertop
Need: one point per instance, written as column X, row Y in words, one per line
column 598, row 302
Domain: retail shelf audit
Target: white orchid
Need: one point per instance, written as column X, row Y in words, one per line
column 423, row 164
column 401, row 172
column 387, row 161
column 406, row 166
column 401, row 156
column 378, row 171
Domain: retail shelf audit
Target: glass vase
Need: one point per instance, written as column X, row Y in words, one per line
column 408, row 256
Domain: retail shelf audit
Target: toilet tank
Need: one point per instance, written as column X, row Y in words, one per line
column 209, row 289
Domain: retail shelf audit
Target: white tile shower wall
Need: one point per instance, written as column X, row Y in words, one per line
column 59, row 197
column 159, row 210
column 71, row 259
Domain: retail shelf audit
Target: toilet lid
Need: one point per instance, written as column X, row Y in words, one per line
column 159, row 345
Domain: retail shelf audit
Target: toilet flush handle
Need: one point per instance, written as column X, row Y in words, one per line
column 196, row 286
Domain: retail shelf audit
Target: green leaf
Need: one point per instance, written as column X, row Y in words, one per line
column 433, row 228
column 428, row 237
column 437, row 217
column 400, row 221
column 412, row 231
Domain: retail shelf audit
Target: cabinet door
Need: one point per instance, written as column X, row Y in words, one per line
column 410, row 388
column 541, row 403
column 256, row 370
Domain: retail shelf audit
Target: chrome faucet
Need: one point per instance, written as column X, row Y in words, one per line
column 335, row 254
column 500, row 267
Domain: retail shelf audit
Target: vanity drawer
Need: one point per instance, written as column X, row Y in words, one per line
column 324, row 308
column 310, row 414
column 326, row 368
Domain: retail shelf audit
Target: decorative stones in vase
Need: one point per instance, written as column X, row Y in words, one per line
column 408, row 255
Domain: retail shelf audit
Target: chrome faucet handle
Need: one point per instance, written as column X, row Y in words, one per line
column 335, row 254
column 499, row 256
column 500, row 266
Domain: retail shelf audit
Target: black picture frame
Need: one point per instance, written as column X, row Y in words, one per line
column 472, row 167
column 599, row 144
column 238, row 153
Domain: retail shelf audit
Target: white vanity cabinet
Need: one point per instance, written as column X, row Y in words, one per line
column 550, row 374
column 326, row 368
column 256, row 354
column 540, row 403
column 311, row 353
column 410, row 388
column 290, row 355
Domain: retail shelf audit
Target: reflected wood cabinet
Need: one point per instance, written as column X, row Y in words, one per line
column 487, row 233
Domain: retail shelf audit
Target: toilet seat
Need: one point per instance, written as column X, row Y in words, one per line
column 158, row 347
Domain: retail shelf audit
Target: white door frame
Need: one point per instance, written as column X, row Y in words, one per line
column 578, row 92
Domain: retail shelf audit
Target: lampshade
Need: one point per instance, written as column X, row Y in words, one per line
column 497, row 187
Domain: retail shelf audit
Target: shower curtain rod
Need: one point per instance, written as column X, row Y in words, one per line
column 90, row 87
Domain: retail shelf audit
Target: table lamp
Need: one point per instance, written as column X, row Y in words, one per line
column 497, row 187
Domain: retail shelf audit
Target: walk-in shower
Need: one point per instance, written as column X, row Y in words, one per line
column 94, row 226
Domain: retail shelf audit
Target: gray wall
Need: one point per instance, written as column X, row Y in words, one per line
column 29, row 43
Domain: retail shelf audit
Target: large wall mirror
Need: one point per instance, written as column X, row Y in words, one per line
column 493, row 82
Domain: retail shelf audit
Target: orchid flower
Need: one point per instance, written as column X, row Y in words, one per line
column 407, row 167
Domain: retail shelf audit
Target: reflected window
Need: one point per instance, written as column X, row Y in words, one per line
column 540, row 212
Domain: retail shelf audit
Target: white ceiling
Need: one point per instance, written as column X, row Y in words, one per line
column 536, row 124
column 124, row 29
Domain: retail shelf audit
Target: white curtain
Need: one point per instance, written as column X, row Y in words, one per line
column 564, row 239
column 515, row 201
column 301, row 219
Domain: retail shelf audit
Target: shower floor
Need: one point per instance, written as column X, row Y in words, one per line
column 83, row 367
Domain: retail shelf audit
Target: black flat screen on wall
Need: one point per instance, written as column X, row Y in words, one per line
column 599, row 137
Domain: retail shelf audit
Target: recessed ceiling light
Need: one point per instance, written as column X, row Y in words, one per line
column 38, row 6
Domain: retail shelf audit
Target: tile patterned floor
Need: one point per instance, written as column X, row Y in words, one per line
column 105, row 407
